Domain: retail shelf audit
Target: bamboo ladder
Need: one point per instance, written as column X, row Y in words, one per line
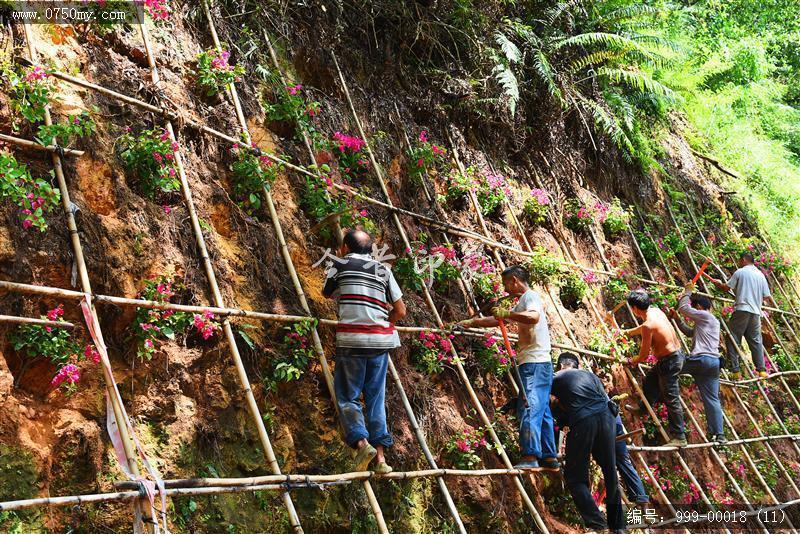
column 143, row 511
column 217, row 296
column 373, row 501
column 459, row 367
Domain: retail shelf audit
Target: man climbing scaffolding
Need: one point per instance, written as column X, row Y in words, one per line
column 661, row 381
column 369, row 303
column 704, row 361
column 537, row 442
column 750, row 288
column 580, row 403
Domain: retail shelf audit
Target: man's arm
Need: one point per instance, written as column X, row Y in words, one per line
column 398, row 311
column 330, row 287
column 487, row 322
column 630, row 332
column 647, row 343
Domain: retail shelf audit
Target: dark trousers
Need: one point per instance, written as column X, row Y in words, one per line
column 627, row 472
column 745, row 324
column 594, row 436
column 661, row 383
column 352, row 376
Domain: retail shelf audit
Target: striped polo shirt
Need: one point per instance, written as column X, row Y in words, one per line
column 364, row 289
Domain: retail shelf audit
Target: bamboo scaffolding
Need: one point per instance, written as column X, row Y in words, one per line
column 218, row 299
column 745, row 452
column 372, row 500
column 143, row 511
column 459, row 367
column 38, row 322
column 33, row 145
column 751, row 419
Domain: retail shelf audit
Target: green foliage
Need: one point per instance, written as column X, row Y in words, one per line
column 430, row 351
column 214, row 73
column 490, row 189
column 462, row 448
column 29, row 90
column 577, row 216
column 425, row 157
column 62, row 133
column 150, row 157
column 34, row 197
column 52, row 343
column 615, row 291
column 290, row 106
column 573, row 288
column 491, row 354
column 542, row 266
column 487, row 287
column 537, row 207
column 407, row 273
column 615, row 219
column 296, row 353
column 251, row 176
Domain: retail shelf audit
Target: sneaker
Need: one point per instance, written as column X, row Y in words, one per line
column 720, row 439
column 363, row 457
column 529, row 464
column 383, row 468
column 677, row 442
column 550, row 463
column 735, row 375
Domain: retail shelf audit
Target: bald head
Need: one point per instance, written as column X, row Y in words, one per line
column 358, row 242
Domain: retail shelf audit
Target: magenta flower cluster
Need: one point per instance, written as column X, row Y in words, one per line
column 354, row 144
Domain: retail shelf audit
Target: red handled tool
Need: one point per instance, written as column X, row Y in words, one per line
column 513, row 360
column 702, row 271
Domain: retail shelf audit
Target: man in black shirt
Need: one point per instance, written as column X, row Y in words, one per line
column 579, row 401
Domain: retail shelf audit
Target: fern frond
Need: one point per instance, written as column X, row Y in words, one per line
column 563, row 7
column 546, row 75
column 638, row 81
column 628, row 12
column 609, row 40
column 622, row 107
column 657, row 41
column 508, row 81
column 594, row 59
column 605, row 122
column 510, row 50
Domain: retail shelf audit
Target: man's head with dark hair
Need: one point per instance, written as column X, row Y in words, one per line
column 357, row 242
column 639, row 300
column 515, row 280
column 567, row 360
column 746, row 259
column 700, row 302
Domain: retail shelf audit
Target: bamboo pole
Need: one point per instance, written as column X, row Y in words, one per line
column 459, row 367
column 33, row 145
column 143, row 511
column 38, row 322
column 218, row 300
column 372, row 500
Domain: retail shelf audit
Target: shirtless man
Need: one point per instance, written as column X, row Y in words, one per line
column 660, row 382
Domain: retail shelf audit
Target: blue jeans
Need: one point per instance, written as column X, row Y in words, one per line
column 630, row 477
column 352, row 376
column 536, row 422
column 704, row 368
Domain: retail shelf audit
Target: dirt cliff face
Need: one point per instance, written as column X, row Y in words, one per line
column 185, row 402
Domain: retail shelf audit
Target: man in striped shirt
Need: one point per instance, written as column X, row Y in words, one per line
column 369, row 303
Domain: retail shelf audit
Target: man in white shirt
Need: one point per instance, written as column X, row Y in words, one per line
column 536, row 437
column 750, row 288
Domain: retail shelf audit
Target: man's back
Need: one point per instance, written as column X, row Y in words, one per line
column 665, row 340
column 580, row 394
column 750, row 287
column 364, row 289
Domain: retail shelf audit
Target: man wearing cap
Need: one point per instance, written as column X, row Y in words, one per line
column 579, row 401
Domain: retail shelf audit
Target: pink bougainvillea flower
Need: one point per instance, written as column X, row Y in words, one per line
column 56, row 313
column 423, row 136
column 27, row 223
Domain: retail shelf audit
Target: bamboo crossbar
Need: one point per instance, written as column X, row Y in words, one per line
column 77, row 500
column 33, row 145
column 449, row 228
column 38, row 322
column 665, row 448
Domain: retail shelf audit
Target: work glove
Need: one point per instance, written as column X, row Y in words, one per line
column 500, row 313
column 464, row 323
column 690, row 287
